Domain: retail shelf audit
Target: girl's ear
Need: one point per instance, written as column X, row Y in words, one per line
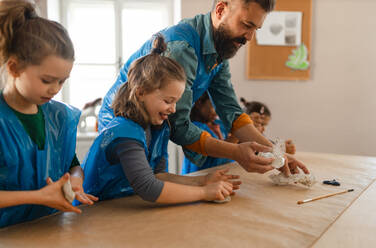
column 140, row 94
column 13, row 67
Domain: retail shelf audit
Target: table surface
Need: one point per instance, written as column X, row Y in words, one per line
column 260, row 215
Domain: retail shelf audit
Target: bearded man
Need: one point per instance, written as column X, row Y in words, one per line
column 203, row 45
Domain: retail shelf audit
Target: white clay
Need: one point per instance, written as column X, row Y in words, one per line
column 278, row 161
column 227, row 199
column 277, row 153
column 68, row 192
column 304, row 179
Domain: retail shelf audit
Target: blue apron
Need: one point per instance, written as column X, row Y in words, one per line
column 24, row 167
column 180, row 32
column 107, row 180
column 209, row 162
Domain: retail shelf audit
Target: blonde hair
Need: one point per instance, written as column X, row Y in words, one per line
column 28, row 37
column 147, row 73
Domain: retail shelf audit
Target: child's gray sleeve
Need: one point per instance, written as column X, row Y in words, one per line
column 140, row 175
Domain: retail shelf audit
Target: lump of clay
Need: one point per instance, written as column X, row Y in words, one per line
column 68, row 192
column 277, row 153
column 304, row 179
column 227, row 199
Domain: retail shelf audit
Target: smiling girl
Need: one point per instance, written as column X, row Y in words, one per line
column 38, row 135
column 130, row 154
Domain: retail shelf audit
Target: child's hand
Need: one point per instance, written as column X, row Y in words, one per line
column 292, row 165
column 52, row 195
column 81, row 196
column 220, row 175
column 217, row 191
column 290, row 147
column 232, row 139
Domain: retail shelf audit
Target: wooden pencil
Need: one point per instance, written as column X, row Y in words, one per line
column 324, row 196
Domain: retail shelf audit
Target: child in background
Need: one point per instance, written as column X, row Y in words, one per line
column 130, row 154
column 261, row 115
column 204, row 116
column 38, row 135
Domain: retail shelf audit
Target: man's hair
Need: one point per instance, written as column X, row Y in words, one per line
column 267, row 5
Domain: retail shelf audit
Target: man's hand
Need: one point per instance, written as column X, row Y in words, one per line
column 246, row 157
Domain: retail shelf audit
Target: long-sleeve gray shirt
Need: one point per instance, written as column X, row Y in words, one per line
column 131, row 155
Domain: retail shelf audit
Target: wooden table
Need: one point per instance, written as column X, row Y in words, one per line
column 260, row 215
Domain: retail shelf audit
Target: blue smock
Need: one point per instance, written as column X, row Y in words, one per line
column 23, row 167
column 107, row 180
column 188, row 166
column 179, row 32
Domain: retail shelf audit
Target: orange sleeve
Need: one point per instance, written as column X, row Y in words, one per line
column 242, row 120
column 199, row 145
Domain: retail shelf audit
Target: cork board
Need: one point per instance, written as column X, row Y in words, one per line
column 268, row 62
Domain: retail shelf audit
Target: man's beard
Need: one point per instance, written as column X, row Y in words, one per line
column 224, row 43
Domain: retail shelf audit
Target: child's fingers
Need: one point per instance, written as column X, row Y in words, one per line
column 91, row 197
column 228, row 186
column 303, row 167
column 226, row 191
column 285, row 169
column 81, row 197
column 232, row 177
column 70, row 208
column 49, row 181
column 235, row 188
column 63, row 179
column 236, row 183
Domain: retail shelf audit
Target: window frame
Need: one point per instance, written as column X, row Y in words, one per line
column 173, row 7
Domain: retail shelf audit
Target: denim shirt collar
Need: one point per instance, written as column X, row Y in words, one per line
column 208, row 42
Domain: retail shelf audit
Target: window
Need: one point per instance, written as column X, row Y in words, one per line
column 105, row 33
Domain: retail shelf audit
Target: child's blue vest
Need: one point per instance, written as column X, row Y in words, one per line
column 24, row 167
column 180, row 32
column 107, row 180
column 188, row 166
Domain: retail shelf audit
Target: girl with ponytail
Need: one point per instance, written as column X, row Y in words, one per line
column 130, row 154
column 38, row 135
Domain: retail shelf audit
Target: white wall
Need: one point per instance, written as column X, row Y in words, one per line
column 335, row 111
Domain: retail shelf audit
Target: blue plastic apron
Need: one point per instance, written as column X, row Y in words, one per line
column 24, row 167
column 107, row 180
column 188, row 166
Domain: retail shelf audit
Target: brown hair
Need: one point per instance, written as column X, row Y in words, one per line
column 267, row 5
column 258, row 107
column 147, row 73
column 195, row 111
column 28, row 37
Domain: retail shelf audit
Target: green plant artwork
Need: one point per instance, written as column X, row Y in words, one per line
column 298, row 59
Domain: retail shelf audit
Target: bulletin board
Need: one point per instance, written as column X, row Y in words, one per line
column 269, row 62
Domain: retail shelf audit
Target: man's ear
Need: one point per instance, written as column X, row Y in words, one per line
column 13, row 67
column 220, row 9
